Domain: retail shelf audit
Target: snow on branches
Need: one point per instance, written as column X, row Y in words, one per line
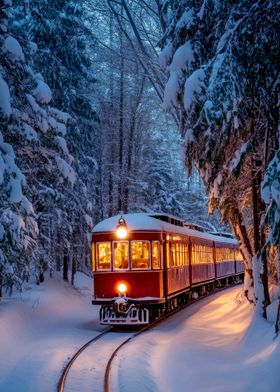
column 223, row 84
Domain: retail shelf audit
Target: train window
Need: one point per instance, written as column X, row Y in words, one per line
column 167, row 255
column 201, row 254
column 92, row 257
column 156, row 254
column 120, row 255
column 238, row 255
column 140, row 254
column 224, row 254
column 172, row 259
column 104, row 256
column 185, row 254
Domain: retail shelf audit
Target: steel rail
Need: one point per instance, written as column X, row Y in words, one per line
column 61, row 383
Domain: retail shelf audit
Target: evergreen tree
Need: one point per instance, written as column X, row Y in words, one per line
column 36, row 133
column 222, row 62
column 63, row 57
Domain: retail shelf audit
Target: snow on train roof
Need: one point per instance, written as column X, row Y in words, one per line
column 151, row 222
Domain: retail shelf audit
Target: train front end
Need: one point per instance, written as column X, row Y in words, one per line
column 127, row 269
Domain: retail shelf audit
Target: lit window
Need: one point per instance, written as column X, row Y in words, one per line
column 92, row 257
column 104, row 255
column 167, row 255
column 121, row 255
column 140, row 254
column 156, row 254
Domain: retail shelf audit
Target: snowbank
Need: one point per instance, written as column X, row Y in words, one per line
column 40, row 329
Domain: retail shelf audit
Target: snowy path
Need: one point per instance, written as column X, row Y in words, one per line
column 212, row 346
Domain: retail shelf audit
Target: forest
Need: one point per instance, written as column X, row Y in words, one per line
column 110, row 106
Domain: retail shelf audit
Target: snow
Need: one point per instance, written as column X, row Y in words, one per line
column 61, row 116
column 144, row 222
column 27, row 206
column 88, row 220
column 171, row 90
column 16, row 178
column 12, row 46
column 165, row 55
column 237, row 156
column 61, row 128
column 215, row 345
column 33, row 47
column 5, row 98
column 29, row 133
column 193, row 85
column 66, row 170
column 35, row 105
column 42, row 92
column 186, row 20
column 235, row 122
column 182, row 58
column 61, row 142
column 189, row 137
column 40, row 329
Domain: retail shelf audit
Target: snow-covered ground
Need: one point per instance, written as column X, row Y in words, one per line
column 214, row 345
column 40, row 330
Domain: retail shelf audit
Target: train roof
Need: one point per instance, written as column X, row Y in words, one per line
column 157, row 222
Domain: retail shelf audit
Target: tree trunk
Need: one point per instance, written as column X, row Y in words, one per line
column 65, row 268
column 1, row 282
column 247, row 252
column 121, row 123
column 74, row 270
column 130, row 146
column 259, row 239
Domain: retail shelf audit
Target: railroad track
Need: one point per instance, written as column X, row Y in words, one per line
column 106, row 380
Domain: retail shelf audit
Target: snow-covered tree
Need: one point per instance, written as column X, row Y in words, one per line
column 221, row 61
column 64, row 44
column 36, row 133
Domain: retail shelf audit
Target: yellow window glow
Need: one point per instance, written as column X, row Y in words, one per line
column 104, row 255
column 140, row 254
column 121, row 255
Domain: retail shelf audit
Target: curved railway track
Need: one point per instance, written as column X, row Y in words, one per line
column 106, row 381
column 61, row 383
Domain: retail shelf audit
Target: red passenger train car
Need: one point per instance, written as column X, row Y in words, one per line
column 147, row 264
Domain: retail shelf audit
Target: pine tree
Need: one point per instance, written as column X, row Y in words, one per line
column 63, row 57
column 222, row 63
column 36, row 132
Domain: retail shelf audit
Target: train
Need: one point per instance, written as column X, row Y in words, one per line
column 145, row 265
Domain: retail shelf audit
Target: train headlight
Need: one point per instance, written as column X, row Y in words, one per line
column 121, row 232
column 121, row 229
column 122, row 288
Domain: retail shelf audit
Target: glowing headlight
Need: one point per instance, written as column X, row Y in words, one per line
column 121, row 232
column 122, row 288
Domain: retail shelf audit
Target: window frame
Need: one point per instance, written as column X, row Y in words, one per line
column 159, row 254
column 93, row 258
column 150, row 256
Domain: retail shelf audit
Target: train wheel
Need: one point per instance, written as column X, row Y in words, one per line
column 195, row 295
